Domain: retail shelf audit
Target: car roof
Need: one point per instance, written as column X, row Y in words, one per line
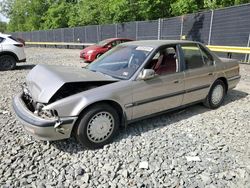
column 4, row 35
column 111, row 39
column 158, row 43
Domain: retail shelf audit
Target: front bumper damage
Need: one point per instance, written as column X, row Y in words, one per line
column 40, row 128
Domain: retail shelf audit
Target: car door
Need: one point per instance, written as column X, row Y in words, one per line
column 199, row 72
column 163, row 92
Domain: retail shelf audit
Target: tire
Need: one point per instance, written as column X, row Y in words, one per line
column 216, row 95
column 88, row 136
column 7, row 62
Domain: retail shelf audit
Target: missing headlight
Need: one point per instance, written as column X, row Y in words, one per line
column 48, row 114
column 45, row 114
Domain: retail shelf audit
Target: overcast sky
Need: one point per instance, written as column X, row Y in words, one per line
column 3, row 18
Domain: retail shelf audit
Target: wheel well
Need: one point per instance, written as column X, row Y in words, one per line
column 10, row 54
column 224, row 80
column 113, row 104
column 99, row 54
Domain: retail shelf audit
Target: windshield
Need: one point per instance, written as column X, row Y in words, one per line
column 121, row 62
column 103, row 42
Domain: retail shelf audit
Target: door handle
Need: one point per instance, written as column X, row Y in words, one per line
column 210, row 74
column 176, row 81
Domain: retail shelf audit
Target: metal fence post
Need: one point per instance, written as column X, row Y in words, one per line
column 248, row 55
column 46, row 33
column 62, row 36
column 39, row 36
column 73, row 34
column 85, row 34
column 98, row 33
column 159, row 29
column 210, row 27
column 54, row 36
column 182, row 22
column 136, row 30
column 248, row 58
column 116, row 30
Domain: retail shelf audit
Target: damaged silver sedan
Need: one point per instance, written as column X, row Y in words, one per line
column 132, row 81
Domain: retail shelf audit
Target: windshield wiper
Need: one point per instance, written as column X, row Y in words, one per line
column 116, row 77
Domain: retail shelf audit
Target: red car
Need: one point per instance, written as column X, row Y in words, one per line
column 90, row 53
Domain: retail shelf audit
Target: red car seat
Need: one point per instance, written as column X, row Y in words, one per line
column 166, row 64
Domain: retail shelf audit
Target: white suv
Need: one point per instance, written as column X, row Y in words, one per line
column 11, row 52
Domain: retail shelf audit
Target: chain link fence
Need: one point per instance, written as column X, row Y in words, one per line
column 228, row 27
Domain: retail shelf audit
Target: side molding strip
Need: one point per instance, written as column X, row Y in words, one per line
column 234, row 78
column 153, row 99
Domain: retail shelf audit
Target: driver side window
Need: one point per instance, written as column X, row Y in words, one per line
column 165, row 61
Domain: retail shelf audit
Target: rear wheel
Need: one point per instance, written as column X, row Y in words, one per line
column 216, row 95
column 97, row 126
column 7, row 62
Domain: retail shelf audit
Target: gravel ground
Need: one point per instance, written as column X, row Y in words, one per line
column 194, row 147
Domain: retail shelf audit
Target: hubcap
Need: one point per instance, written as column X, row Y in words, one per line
column 217, row 94
column 100, row 127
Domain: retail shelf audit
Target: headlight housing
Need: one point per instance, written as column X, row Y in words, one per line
column 48, row 114
column 44, row 113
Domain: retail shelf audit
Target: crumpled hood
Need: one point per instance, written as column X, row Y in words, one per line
column 43, row 81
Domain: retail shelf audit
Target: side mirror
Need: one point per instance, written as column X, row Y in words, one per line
column 146, row 74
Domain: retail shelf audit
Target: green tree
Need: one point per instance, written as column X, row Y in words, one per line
column 57, row 15
column 3, row 27
column 28, row 15
column 154, row 9
column 90, row 12
column 124, row 10
column 6, row 6
column 213, row 4
column 180, row 7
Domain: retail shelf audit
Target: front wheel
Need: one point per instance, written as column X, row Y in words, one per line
column 7, row 62
column 216, row 95
column 97, row 126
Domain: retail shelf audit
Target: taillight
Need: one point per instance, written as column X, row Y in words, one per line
column 19, row 45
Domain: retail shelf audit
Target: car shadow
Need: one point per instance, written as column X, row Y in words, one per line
column 234, row 95
column 24, row 66
column 157, row 122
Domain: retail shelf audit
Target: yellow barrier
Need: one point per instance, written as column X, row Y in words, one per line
column 227, row 49
column 59, row 43
column 230, row 49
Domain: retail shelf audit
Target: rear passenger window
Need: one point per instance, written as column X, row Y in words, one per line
column 1, row 39
column 192, row 56
column 13, row 38
column 207, row 57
